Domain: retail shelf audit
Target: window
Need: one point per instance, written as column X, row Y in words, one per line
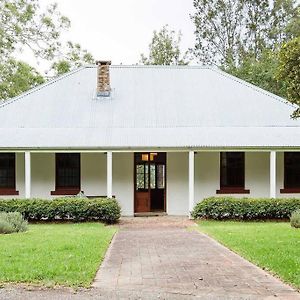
column 8, row 174
column 67, row 174
column 291, row 172
column 232, row 173
column 142, row 177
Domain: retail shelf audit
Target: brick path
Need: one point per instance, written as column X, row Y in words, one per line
column 171, row 259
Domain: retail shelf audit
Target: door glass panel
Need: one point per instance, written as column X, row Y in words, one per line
column 152, row 176
column 145, row 157
column 140, row 177
column 146, row 176
column 160, row 176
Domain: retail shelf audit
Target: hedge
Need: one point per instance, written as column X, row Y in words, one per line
column 221, row 208
column 68, row 208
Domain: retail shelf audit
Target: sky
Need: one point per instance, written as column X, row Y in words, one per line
column 120, row 30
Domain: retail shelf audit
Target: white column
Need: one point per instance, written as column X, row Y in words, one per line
column 191, row 181
column 27, row 174
column 109, row 174
column 273, row 174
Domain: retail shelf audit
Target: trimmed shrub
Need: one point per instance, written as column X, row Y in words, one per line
column 12, row 222
column 67, row 208
column 221, row 208
column 295, row 219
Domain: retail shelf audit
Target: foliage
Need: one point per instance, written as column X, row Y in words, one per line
column 72, row 208
column 227, row 31
column 289, row 71
column 243, row 38
column 75, row 57
column 295, row 219
column 55, row 254
column 222, row 208
column 12, row 222
column 17, row 77
column 261, row 72
column 164, row 49
column 25, row 26
column 273, row 246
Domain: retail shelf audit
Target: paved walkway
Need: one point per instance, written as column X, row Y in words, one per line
column 171, row 259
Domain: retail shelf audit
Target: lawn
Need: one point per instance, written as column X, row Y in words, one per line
column 50, row 254
column 274, row 246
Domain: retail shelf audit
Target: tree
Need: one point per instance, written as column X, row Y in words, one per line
column 228, row 30
column 25, row 26
column 164, row 49
column 261, row 72
column 17, row 77
column 75, row 57
column 289, row 71
column 218, row 31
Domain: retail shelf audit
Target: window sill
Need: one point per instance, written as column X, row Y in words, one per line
column 290, row 190
column 65, row 192
column 233, row 191
column 8, row 192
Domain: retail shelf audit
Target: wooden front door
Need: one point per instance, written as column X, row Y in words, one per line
column 149, row 182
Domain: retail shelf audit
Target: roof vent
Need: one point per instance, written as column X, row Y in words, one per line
column 103, row 80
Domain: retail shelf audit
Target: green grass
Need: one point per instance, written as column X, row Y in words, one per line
column 274, row 246
column 54, row 254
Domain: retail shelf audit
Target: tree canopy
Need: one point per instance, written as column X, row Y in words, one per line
column 17, row 77
column 227, row 31
column 164, row 49
column 25, row 26
column 289, row 71
column 244, row 38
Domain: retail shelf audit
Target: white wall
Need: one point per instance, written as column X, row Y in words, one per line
column 123, row 186
column 257, row 175
column 93, row 174
column 207, row 175
column 42, row 174
column 177, row 184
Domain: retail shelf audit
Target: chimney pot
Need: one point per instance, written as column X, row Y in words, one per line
column 103, row 78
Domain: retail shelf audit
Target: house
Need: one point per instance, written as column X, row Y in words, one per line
column 158, row 138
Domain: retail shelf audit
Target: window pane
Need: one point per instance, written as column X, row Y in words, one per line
column 68, row 170
column 161, row 176
column 140, row 183
column 145, row 157
column 292, row 169
column 7, row 170
column 232, row 169
column 146, row 176
column 152, row 176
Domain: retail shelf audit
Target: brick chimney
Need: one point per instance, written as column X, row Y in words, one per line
column 103, row 80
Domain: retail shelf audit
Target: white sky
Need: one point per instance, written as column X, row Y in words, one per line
column 120, row 30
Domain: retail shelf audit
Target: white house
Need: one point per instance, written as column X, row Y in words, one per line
column 158, row 138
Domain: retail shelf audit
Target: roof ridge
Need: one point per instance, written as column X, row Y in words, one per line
column 254, row 87
column 156, row 66
column 41, row 86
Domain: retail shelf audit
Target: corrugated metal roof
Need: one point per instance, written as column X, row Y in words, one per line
column 151, row 106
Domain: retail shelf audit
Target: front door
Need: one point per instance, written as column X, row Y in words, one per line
column 149, row 182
